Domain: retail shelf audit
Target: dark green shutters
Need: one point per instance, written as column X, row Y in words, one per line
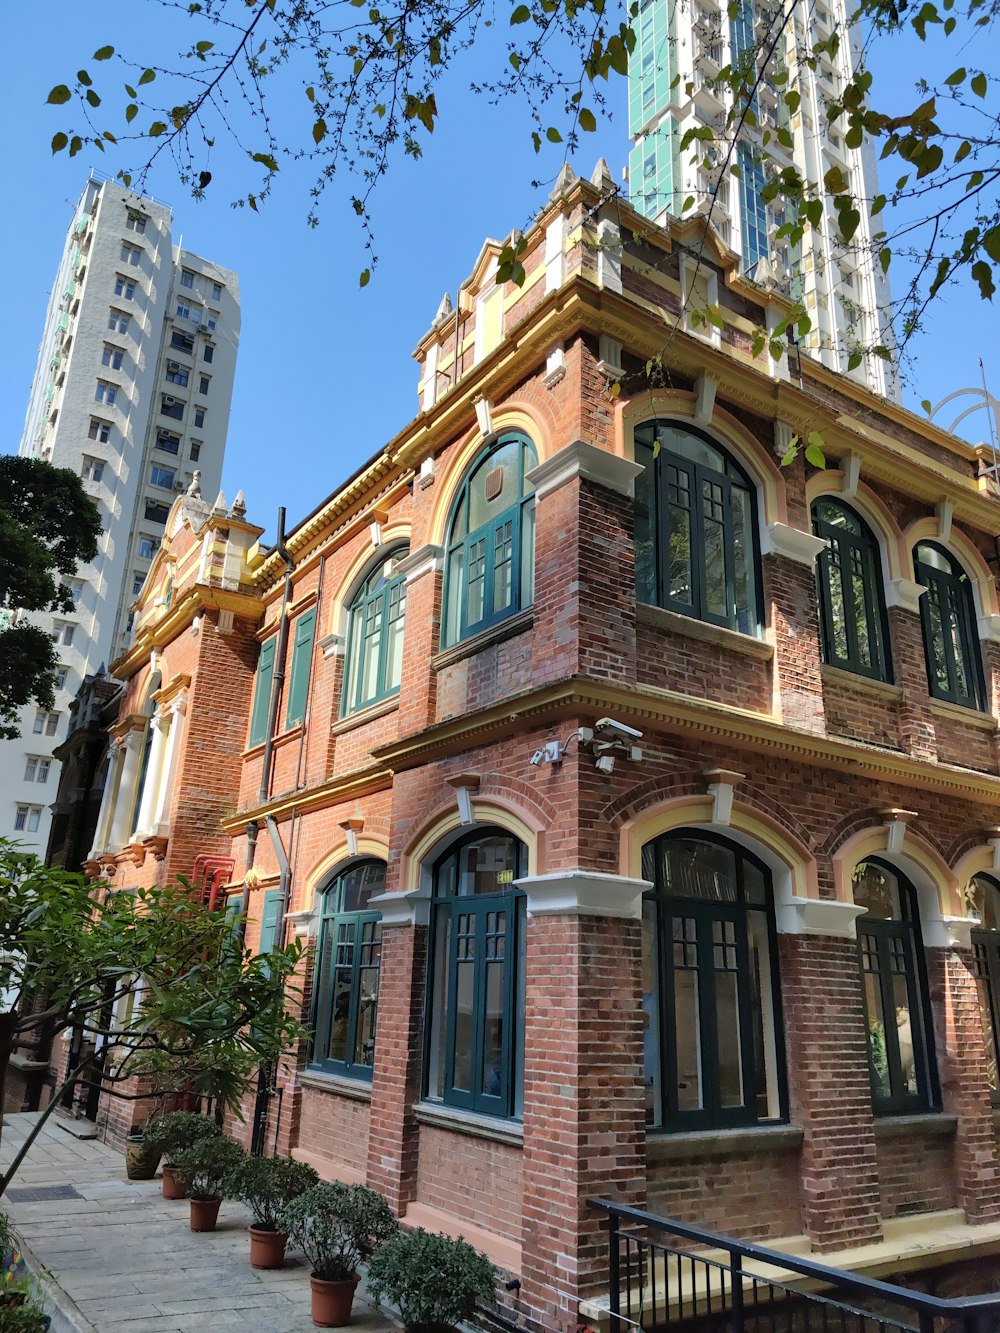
column 851, row 600
column 298, row 677
column 269, row 921
column 262, row 692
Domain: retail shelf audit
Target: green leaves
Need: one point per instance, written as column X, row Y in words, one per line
column 147, row 76
column 59, row 95
column 520, row 15
column 59, row 142
column 319, row 131
column 265, row 160
column 978, row 85
column 365, row 278
column 814, row 449
column 104, row 53
column 587, row 120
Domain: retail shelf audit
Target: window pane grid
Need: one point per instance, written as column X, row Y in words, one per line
column 347, row 975
column 852, row 603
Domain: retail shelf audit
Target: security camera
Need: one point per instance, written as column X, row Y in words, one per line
column 606, row 763
column 607, row 726
column 537, row 758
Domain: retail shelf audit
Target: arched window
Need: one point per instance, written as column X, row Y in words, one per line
column 900, row 1048
column 490, row 571
column 375, row 635
column 985, row 894
column 696, row 543
column 347, row 972
column 714, row 1052
column 951, row 642
column 475, row 1054
column 851, row 600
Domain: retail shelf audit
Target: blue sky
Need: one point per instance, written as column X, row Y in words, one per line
column 325, row 374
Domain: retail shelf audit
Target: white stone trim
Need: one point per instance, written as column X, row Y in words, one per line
column 555, row 259
column 609, row 255
column 989, row 628
column 305, row 924
column 850, row 466
column 792, row 543
column 584, row 893
column 818, row 916
column 950, row 932
column 402, row 909
column 588, row 462
column 555, row 366
column 429, row 395
column 484, row 416
column 705, row 387
column 905, row 593
column 424, row 560
column 609, row 354
column 332, row 645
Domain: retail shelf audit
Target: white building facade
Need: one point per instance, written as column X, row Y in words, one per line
column 132, row 390
column 680, row 49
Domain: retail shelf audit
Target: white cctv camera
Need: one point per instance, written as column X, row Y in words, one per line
column 607, row 726
column 606, row 763
column 537, row 758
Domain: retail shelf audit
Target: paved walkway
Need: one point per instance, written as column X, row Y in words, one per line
column 126, row 1258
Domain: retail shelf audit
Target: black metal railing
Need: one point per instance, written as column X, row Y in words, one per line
column 666, row 1274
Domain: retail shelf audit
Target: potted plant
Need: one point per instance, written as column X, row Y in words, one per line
column 142, row 1155
column 205, row 1166
column 434, row 1281
column 337, row 1227
column 171, row 1134
column 266, row 1185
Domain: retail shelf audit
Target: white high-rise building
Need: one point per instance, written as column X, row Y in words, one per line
column 681, row 46
column 132, row 390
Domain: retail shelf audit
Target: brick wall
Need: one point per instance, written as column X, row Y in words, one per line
column 753, row 1194
column 335, row 1129
column 472, row 1179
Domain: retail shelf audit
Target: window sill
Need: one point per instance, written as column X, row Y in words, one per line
column 280, row 738
column 665, row 1147
column 866, row 684
column 364, row 715
column 471, row 1123
column 924, row 1122
column 506, row 629
column 972, row 717
column 357, row 1088
column 660, row 618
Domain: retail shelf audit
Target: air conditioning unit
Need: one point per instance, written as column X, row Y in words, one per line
column 173, row 365
column 168, row 401
column 178, row 485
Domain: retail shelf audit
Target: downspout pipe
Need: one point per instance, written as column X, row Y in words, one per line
column 283, row 881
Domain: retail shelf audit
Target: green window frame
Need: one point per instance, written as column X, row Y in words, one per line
column 375, row 636
column 348, row 964
column 714, row 1049
column 696, row 542
column 894, row 983
column 262, row 691
column 303, row 632
column 986, row 970
column 853, row 625
column 948, row 618
column 490, row 560
column 474, row 1057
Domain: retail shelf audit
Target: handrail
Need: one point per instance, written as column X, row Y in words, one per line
column 835, row 1277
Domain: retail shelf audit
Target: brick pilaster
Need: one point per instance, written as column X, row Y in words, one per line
column 830, row 1089
column 791, row 616
column 961, row 1055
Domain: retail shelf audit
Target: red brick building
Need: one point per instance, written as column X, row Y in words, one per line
column 741, row 968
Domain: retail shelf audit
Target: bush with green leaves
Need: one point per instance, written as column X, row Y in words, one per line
column 432, row 1280
column 177, row 1131
column 23, row 1319
column 337, row 1227
column 267, row 1184
column 207, row 1164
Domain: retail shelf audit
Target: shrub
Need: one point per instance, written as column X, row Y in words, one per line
column 206, row 1165
column 338, row 1227
column 178, row 1130
column 267, row 1185
column 23, row 1319
column 433, row 1280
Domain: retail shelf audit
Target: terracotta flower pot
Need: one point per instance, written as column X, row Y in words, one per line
column 174, row 1186
column 141, row 1160
column 204, row 1214
column 332, row 1301
column 267, row 1248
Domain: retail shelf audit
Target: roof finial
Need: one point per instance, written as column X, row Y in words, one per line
column 566, row 179
column 239, row 508
column 444, row 309
column 220, row 504
column 194, row 490
column 602, row 176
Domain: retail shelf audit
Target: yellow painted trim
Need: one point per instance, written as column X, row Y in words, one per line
column 918, row 861
column 327, row 865
column 728, row 429
column 513, row 415
column 873, row 509
column 365, row 561
column 980, row 575
column 976, row 861
column 349, row 786
column 494, row 810
column 662, row 818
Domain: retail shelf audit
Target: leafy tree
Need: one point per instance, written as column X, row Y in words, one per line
column 48, row 525
column 163, row 982
column 366, row 82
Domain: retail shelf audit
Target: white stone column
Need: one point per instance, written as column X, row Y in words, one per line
column 145, row 820
column 168, row 775
column 111, row 784
column 125, row 795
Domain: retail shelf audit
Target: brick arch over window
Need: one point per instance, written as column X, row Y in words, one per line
column 511, row 807
column 792, row 866
column 372, row 844
column 968, row 555
column 896, row 562
column 979, row 858
column 732, row 435
column 394, row 535
column 901, row 847
column 539, row 426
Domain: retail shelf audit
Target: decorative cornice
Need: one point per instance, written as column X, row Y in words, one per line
column 402, row 909
column 362, row 782
column 584, row 893
column 424, row 560
column 587, row 462
column 193, row 602
column 905, row 593
column 950, row 932
column 818, row 916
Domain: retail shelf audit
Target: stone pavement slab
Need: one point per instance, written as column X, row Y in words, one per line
column 124, row 1259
